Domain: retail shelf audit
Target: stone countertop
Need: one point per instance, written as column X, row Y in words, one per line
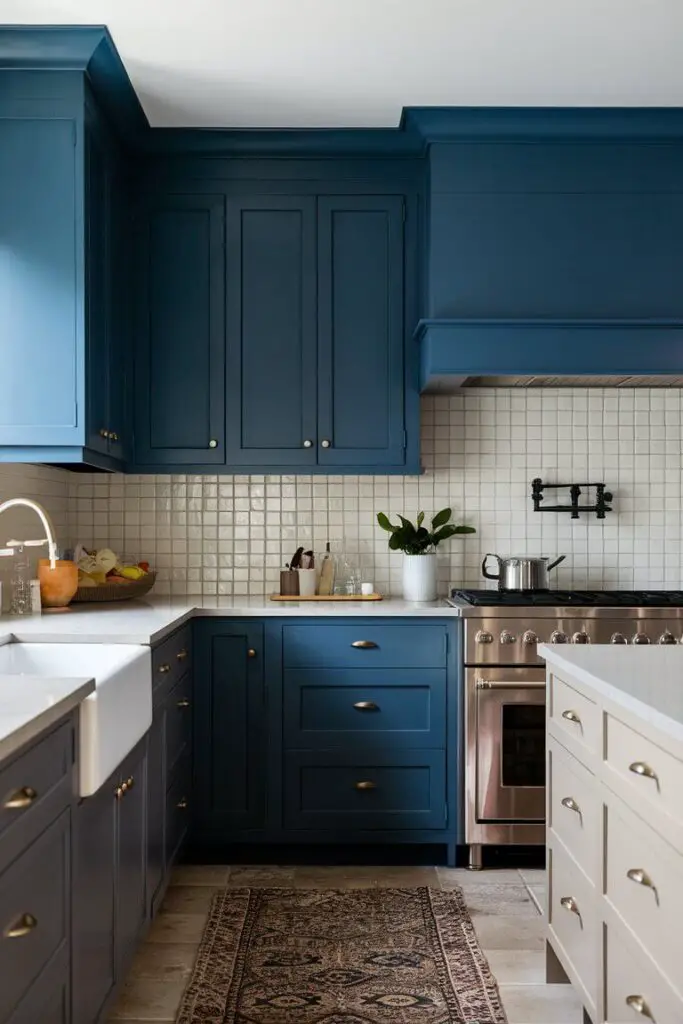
column 31, row 704
column 150, row 620
column 647, row 681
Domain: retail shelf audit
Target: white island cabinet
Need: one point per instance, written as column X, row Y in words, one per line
column 615, row 830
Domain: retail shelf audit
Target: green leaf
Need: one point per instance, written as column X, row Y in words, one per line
column 450, row 531
column 420, row 518
column 441, row 517
column 465, row 529
column 385, row 524
column 407, row 525
column 395, row 542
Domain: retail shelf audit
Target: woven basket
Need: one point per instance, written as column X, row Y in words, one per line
column 127, row 591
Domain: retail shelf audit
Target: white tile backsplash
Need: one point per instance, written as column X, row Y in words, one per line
column 481, row 449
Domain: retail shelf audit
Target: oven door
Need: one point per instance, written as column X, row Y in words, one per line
column 506, row 720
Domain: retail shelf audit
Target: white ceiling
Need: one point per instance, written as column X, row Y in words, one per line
column 331, row 63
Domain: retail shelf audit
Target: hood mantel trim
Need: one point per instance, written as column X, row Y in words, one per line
column 531, row 351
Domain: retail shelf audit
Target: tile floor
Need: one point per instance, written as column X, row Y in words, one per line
column 505, row 906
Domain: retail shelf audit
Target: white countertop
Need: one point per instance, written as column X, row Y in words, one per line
column 149, row 621
column 31, row 704
column 647, row 681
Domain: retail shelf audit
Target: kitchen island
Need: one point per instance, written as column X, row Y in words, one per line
column 615, row 829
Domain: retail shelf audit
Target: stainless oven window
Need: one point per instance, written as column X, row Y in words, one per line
column 523, row 743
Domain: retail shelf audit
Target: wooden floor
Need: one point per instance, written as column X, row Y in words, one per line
column 504, row 904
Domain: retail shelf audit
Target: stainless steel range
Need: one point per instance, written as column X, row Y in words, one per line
column 505, row 691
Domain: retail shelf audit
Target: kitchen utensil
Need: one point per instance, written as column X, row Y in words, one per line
column 296, row 560
column 306, row 582
column 521, row 573
column 289, row 582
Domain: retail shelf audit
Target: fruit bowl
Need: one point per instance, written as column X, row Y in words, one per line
column 127, row 591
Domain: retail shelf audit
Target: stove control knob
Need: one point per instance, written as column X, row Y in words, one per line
column 581, row 637
column 558, row 637
column 618, row 638
column 640, row 638
column 484, row 637
column 529, row 637
column 667, row 637
column 507, row 638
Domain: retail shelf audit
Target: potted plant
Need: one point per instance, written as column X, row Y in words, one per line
column 418, row 545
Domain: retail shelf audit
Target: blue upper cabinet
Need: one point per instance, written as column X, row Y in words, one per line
column 271, row 332
column 360, row 332
column 180, row 337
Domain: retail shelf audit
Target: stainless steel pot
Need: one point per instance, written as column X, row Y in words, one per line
column 521, row 573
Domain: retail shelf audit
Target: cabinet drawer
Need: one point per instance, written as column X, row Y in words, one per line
column 572, row 918
column 635, row 991
column 172, row 659
column 636, row 856
column 651, row 773
column 48, row 999
column 33, row 904
column 390, row 708
column 364, row 644
column 575, row 808
column 178, row 722
column 178, row 800
column 574, row 715
column 329, row 790
column 29, row 785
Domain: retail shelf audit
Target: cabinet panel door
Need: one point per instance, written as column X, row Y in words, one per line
column 132, row 859
column 156, row 802
column 271, row 344
column 230, row 747
column 360, row 331
column 180, row 368
column 97, row 260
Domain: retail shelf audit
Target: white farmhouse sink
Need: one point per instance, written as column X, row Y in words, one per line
column 115, row 716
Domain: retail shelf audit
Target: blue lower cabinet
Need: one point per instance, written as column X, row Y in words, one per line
column 365, row 644
column 342, row 790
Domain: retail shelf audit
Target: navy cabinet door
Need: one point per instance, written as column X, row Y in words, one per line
column 360, row 331
column 180, row 369
column 97, row 263
column 132, row 859
column 271, row 331
column 156, row 802
column 230, row 745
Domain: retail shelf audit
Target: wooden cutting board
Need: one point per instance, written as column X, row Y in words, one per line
column 327, row 597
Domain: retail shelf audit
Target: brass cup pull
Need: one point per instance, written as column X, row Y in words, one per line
column 366, row 705
column 366, row 785
column 182, row 804
column 251, row 653
column 569, row 903
column 130, row 782
column 644, row 770
column 104, row 433
column 638, row 1004
column 641, row 877
column 118, row 792
column 124, row 788
column 23, row 797
column 21, row 927
column 184, row 703
column 571, row 716
column 364, row 644
column 163, row 669
column 181, row 655
column 570, row 803
column 113, row 436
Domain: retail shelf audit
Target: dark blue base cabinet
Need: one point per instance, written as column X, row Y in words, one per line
column 326, row 730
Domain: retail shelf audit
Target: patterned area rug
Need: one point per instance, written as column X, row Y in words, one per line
column 364, row 956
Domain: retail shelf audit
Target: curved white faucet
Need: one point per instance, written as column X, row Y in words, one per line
column 45, row 520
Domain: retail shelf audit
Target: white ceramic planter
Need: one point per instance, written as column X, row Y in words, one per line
column 419, row 577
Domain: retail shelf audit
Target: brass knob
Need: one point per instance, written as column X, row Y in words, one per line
column 118, row 792
column 182, row 804
column 308, row 443
column 164, row 668
column 569, row 903
column 181, row 655
column 124, row 788
column 364, row 644
column 641, row 877
column 251, row 653
column 23, row 797
column 325, row 443
column 365, row 785
column 22, row 926
column 644, row 770
column 130, row 782
column 570, row 803
column 366, row 705
column 113, row 436
column 183, row 703
column 638, row 1004
column 104, row 433
column 213, row 443
column 571, row 716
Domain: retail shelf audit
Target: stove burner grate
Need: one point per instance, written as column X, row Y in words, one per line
column 572, row 598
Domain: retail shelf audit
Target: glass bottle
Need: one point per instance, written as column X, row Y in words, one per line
column 20, row 582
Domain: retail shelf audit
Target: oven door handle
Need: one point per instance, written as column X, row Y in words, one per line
column 510, row 684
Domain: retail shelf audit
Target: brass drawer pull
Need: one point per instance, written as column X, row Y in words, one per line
column 164, row 668
column 21, row 927
column 366, row 785
column 571, row 716
column 181, row 655
column 23, row 797
column 641, row 877
column 366, row 705
column 570, row 803
column 183, row 703
column 638, row 1004
column 130, row 782
column 118, row 792
column 569, row 903
column 644, row 770
column 182, row 804
column 251, row 653
column 365, row 644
